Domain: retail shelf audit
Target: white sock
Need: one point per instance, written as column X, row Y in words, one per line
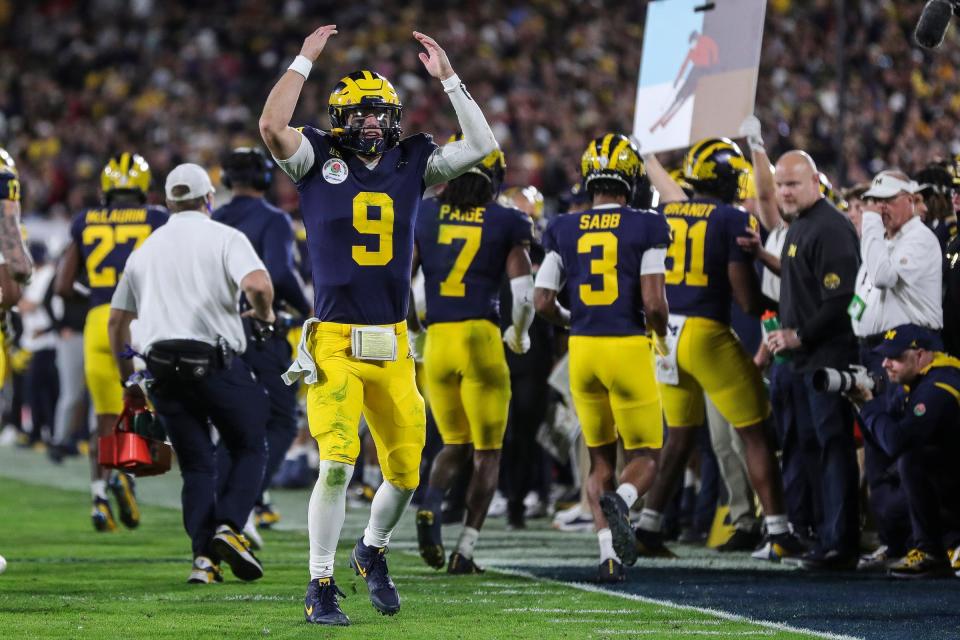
column 325, row 515
column 468, row 540
column 98, row 489
column 650, row 520
column 385, row 512
column 777, row 525
column 265, row 497
column 605, row 538
column 629, row 493
column 372, row 476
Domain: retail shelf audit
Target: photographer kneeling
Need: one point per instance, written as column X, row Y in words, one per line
column 919, row 430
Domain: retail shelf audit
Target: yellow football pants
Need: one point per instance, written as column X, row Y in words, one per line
column 99, row 366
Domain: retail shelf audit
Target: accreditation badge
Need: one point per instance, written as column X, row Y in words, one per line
column 856, row 307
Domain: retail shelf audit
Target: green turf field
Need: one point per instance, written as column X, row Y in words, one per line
column 66, row 581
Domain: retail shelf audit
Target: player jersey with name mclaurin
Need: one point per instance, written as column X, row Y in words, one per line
column 602, row 251
column 360, row 226
column 704, row 241
column 464, row 256
column 106, row 236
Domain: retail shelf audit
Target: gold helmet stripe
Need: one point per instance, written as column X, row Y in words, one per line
column 605, row 147
column 615, row 154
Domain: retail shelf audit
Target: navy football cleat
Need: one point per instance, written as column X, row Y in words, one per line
column 102, row 516
column 370, row 564
column 234, row 549
column 611, row 571
column 459, row 565
column 429, row 538
column 321, row 604
column 123, row 490
column 617, row 513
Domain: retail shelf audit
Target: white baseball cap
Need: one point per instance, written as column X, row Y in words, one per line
column 886, row 185
column 191, row 176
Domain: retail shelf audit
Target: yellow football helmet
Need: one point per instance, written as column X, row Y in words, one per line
column 677, row 175
column 714, row 166
column 493, row 167
column 359, row 95
column 527, row 199
column 612, row 157
column 834, row 196
column 126, row 172
column 7, row 165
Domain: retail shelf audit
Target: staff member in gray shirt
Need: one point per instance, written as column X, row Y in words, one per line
column 183, row 285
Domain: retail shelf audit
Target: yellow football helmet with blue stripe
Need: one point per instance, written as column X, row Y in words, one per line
column 358, row 95
column 713, row 167
column 493, row 167
column 7, row 165
column 127, row 173
column 612, row 157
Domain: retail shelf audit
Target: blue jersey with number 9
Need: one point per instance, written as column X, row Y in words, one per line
column 360, row 225
column 704, row 232
column 602, row 252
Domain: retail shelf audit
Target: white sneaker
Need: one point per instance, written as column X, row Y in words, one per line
column 204, row 571
column 573, row 520
column 8, row 437
column 534, row 506
column 498, row 506
column 250, row 530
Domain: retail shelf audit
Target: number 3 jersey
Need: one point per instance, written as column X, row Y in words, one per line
column 602, row 251
column 106, row 236
column 360, row 227
column 704, row 241
column 464, row 255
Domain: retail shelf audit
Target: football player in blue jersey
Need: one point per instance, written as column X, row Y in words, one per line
column 360, row 188
column 610, row 257
column 102, row 238
column 465, row 242
column 706, row 271
column 248, row 172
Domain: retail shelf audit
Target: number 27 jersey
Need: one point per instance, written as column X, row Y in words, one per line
column 602, row 253
column 106, row 236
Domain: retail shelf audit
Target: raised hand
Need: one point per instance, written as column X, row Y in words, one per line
column 435, row 59
column 314, row 43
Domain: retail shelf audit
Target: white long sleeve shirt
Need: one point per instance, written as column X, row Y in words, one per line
column 900, row 279
column 446, row 162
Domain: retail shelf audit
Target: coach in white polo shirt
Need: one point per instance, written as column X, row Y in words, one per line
column 183, row 285
column 899, row 283
column 900, row 279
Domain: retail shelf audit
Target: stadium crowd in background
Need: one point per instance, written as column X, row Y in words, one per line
column 86, row 99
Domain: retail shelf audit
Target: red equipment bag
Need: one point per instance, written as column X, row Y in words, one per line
column 132, row 452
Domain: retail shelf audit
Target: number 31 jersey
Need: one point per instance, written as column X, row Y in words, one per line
column 704, row 232
column 602, row 254
column 360, row 225
column 464, row 255
column 106, row 237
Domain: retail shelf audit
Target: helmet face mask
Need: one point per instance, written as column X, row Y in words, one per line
column 359, row 100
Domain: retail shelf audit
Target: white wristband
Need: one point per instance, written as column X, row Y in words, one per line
column 302, row 65
column 450, row 84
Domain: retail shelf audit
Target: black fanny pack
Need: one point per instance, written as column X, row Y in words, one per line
column 186, row 359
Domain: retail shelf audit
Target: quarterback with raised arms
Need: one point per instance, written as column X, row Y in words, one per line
column 360, row 189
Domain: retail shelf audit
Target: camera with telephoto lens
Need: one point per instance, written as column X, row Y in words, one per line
column 844, row 380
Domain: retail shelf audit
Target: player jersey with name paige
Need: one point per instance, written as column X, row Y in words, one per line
column 464, row 254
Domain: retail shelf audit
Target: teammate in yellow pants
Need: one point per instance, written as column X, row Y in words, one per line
column 102, row 238
column 466, row 242
column 611, row 260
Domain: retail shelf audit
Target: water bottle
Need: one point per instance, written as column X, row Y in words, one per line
column 771, row 322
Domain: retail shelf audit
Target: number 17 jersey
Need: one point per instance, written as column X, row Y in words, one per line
column 602, row 253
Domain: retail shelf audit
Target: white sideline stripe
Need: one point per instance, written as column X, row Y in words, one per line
column 733, row 617
column 651, row 632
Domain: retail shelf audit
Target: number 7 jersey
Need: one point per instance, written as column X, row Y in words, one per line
column 602, row 252
column 106, row 236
